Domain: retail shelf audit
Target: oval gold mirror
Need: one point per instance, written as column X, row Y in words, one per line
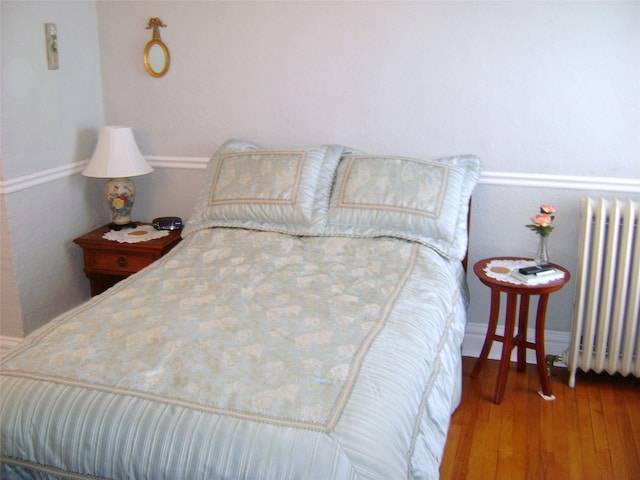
column 156, row 53
column 156, row 58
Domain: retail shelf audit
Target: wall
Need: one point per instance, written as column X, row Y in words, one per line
column 49, row 123
column 9, row 305
column 545, row 93
column 530, row 87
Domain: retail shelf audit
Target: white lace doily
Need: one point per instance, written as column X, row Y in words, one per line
column 501, row 269
column 141, row 233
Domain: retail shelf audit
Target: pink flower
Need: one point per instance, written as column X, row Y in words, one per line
column 542, row 219
column 549, row 209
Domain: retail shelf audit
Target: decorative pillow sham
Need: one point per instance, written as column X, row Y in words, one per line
column 284, row 191
column 418, row 200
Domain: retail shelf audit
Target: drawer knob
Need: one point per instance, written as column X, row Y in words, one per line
column 122, row 261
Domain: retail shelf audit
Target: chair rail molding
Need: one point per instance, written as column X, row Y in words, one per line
column 39, row 178
column 574, row 182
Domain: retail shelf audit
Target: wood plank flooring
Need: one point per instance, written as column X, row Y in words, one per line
column 589, row 432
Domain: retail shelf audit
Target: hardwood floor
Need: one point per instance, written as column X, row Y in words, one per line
column 589, row 432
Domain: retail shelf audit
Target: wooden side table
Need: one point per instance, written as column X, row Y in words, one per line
column 509, row 341
column 106, row 262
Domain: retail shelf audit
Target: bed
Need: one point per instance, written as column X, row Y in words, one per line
column 308, row 326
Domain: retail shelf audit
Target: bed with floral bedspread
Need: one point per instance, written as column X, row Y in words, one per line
column 307, row 327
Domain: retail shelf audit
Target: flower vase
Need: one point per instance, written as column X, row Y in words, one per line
column 542, row 254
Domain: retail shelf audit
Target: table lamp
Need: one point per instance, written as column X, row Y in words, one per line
column 117, row 157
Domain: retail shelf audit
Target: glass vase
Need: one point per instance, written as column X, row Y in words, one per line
column 542, row 254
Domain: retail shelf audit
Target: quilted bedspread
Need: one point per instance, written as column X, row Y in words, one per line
column 245, row 354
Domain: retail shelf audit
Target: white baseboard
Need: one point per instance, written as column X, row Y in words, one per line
column 7, row 343
column 555, row 343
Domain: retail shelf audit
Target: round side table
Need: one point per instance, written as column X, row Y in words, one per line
column 514, row 292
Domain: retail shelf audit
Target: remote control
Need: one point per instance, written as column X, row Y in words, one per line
column 535, row 270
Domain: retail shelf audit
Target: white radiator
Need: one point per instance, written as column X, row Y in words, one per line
column 605, row 335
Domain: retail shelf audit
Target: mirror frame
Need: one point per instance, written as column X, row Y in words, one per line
column 155, row 23
column 167, row 58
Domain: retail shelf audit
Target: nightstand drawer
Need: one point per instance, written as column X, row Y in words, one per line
column 118, row 262
column 106, row 262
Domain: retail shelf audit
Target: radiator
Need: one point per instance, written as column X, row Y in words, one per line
column 605, row 334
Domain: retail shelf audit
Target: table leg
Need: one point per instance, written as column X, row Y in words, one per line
column 521, row 342
column 545, row 383
column 507, row 347
column 491, row 332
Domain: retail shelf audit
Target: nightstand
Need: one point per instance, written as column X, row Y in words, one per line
column 106, row 262
column 509, row 342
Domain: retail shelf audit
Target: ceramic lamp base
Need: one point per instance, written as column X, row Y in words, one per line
column 119, row 194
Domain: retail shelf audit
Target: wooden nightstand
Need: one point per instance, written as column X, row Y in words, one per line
column 509, row 341
column 106, row 262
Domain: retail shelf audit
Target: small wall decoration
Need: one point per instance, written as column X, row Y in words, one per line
column 51, row 37
column 156, row 53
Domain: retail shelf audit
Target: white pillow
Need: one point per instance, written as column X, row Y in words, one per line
column 284, row 191
column 418, row 200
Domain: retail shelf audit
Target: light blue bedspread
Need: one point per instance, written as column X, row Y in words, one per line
column 246, row 354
